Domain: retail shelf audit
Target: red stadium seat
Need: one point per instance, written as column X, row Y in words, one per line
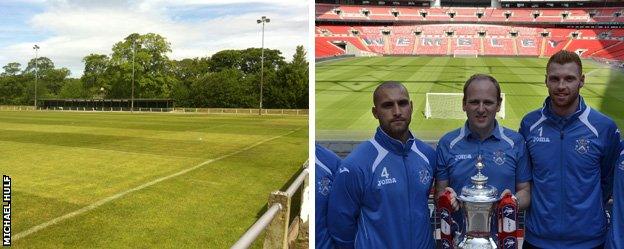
column 500, row 31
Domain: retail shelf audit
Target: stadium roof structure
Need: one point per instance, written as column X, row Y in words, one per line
column 480, row 3
column 596, row 17
column 106, row 103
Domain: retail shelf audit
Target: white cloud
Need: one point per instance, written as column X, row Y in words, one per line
column 212, row 2
column 77, row 28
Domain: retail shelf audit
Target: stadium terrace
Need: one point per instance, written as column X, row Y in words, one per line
column 495, row 29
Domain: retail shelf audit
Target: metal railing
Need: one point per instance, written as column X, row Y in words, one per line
column 276, row 220
column 256, row 229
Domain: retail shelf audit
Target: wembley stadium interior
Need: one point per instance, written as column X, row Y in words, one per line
column 593, row 29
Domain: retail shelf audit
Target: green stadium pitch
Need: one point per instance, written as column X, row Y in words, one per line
column 344, row 90
column 118, row 180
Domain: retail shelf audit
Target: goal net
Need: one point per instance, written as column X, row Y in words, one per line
column 449, row 106
column 465, row 53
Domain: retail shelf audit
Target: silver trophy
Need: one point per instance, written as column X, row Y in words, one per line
column 478, row 202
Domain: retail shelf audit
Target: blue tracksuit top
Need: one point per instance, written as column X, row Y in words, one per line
column 503, row 153
column 616, row 233
column 379, row 197
column 325, row 167
column 573, row 159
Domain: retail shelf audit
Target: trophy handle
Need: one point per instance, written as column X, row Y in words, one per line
column 507, row 212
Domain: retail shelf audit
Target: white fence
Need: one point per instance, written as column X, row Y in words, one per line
column 248, row 111
column 244, row 111
column 17, row 108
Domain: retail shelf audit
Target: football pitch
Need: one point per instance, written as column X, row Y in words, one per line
column 344, row 90
column 121, row 180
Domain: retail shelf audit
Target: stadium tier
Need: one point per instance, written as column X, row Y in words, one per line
column 325, row 47
column 450, row 39
column 467, row 31
column 404, row 13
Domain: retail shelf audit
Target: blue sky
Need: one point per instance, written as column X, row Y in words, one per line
column 14, row 23
column 68, row 30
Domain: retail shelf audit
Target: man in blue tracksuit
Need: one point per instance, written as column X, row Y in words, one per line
column 326, row 164
column 573, row 149
column 502, row 151
column 615, row 238
column 379, row 197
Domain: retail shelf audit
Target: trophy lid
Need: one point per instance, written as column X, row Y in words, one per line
column 479, row 190
column 475, row 193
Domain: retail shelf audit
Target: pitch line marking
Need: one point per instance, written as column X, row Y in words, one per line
column 145, row 185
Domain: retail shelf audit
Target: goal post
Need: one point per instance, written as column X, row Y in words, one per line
column 465, row 54
column 449, row 106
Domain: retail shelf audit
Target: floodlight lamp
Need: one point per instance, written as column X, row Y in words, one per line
column 259, row 21
column 267, row 20
column 36, row 46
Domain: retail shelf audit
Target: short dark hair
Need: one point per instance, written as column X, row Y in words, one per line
column 480, row 76
column 564, row 57
column 387, row 84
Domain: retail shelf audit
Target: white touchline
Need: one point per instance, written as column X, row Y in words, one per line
column 145, row 185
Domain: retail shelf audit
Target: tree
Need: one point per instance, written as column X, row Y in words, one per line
column 248, row 61
column 54, row 79
column 299, row 58
column 186, row 72
column 227, row 88
column 41, row 64
column 290, row 88
column 189, row 69
column 151, row 64
column 251, row 60
column 73, row 89
column 225, row 59
column 94, row 75
column 49, row 79
column 11, row 69
column 13, row 90
column 12, row 86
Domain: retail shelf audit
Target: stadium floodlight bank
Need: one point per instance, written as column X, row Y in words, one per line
column 449, row 106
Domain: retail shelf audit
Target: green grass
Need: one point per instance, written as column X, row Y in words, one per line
column 344, row 90
column 61, row 162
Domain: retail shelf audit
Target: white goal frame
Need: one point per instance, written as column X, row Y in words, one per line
column 465, row 53
column 454, row 110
